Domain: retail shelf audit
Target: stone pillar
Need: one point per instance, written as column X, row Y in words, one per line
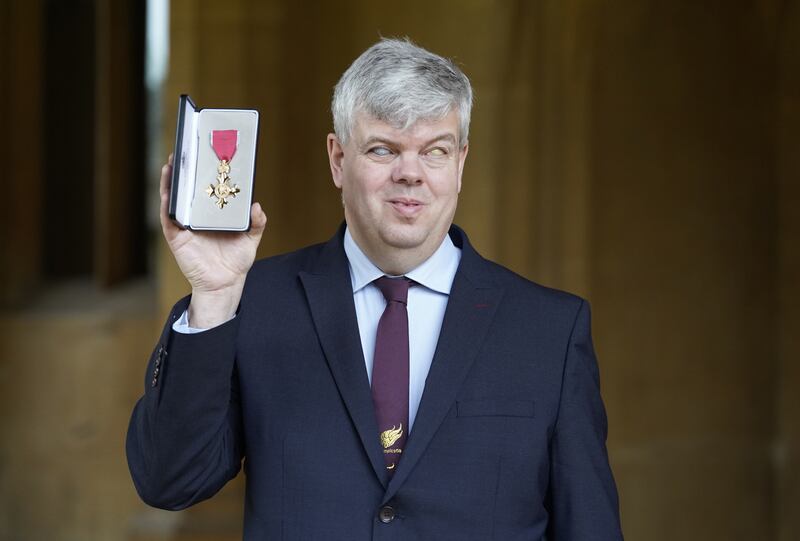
column 787, row 470
column 682, row 256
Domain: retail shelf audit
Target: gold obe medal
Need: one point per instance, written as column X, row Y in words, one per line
column 224, row 143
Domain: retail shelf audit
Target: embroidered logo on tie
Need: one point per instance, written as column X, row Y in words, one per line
column 389, row 437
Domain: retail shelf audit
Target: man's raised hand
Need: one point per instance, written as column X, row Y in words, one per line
column 214, row 263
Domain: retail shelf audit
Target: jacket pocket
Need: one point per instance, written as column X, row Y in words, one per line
column 494, row 408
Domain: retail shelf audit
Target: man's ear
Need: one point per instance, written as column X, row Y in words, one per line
column 462, row 158
column 335, row 158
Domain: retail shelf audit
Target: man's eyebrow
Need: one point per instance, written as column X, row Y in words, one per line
column 377, row 139
column 445, row 137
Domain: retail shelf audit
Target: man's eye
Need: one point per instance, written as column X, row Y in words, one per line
column 437, row 152
column 380, row 151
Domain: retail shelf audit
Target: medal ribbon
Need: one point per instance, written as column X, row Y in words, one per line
column 224, row 143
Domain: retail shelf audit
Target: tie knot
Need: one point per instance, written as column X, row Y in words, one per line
column 394, row 289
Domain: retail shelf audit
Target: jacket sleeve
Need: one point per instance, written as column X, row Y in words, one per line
column 582, row 494
column 185, row 435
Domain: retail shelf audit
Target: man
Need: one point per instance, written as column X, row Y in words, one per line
column 391, row 383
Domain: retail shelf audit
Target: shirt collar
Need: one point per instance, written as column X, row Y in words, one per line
column 436, row 273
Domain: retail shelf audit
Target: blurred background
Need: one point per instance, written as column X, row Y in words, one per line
column 641, row 153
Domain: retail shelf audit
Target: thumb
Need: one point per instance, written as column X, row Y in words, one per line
column 258, row 222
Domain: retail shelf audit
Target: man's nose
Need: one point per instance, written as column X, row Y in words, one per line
column 408, row 168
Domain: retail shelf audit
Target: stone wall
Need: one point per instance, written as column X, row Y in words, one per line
column 643, row 155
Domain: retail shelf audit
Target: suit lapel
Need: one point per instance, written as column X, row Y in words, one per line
column 470, row 310
column 330, row 297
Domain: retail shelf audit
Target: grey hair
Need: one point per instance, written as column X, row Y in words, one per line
column 398, row 82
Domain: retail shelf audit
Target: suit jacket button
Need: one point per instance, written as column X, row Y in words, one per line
column 386, row 514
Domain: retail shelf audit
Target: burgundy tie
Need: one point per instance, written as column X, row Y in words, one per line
column 390, row 370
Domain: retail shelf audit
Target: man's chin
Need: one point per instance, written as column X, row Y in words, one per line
column 410, row 237
column 404, row 237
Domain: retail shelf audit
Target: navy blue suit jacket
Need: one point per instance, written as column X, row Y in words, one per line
column 508, row 443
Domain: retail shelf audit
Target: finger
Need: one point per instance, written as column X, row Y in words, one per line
column 169, row 159
column 166, row 179
column 258, row 222
column 167, row 226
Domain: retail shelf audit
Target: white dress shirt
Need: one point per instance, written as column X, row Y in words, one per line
column 427, row 302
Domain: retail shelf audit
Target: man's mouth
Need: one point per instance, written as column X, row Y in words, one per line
column 406, row 207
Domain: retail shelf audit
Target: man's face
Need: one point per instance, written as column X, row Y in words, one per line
column 399, row 187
